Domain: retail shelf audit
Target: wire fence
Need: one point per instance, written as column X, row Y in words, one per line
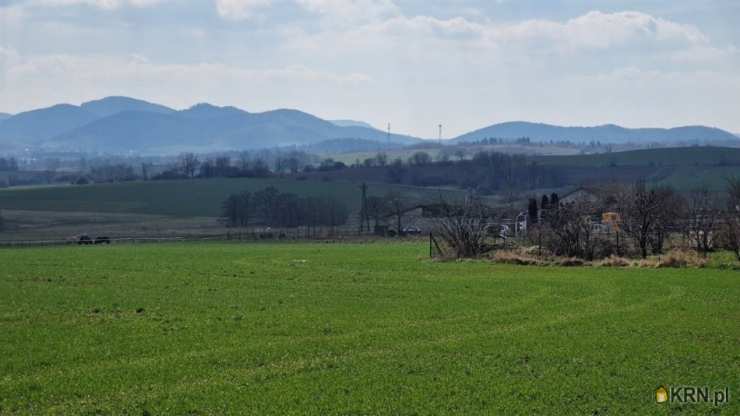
column 235, row 236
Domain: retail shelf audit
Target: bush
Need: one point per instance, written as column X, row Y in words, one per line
column 514, row 257
column 615, row 261
column 681, row 258
column 571, row 262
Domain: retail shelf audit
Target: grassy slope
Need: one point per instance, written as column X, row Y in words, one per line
column 352, row 329
column 678, row 156
column 182, row 197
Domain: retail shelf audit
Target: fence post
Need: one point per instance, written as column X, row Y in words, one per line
column 430, row 245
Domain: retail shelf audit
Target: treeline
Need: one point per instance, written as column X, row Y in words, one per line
column 485, row 173
column 638, row 220
column 8, row 164
column 272, row 208
column 624, row 221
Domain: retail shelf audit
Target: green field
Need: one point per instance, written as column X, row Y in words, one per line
column 184, row 198
column 213, row 329
column 676, row 156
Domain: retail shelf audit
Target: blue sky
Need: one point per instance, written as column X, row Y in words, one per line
column 414, row 63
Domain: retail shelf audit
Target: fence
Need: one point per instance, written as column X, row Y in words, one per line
column 242, row 235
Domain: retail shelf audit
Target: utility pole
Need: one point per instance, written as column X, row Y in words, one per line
column 364, row 217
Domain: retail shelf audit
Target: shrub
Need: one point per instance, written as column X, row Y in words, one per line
column 513, row 257
column 615, row 261
column 570, row 262
column 681, row 258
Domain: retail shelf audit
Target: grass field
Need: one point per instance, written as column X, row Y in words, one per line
column 353, row 329
column 677, row 156
column 184, row 198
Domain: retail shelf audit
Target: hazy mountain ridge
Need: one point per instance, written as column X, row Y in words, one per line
column 112, row 105
column 122, row 124
column 3, row 116
column 608, row 133
column 204, row 127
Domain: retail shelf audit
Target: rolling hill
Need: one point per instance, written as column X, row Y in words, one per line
column 206, row 127
column 122, row 124
column 609, row 133
column 39, row 125
column 112, row 105
column 127, row 125
column 4, row 116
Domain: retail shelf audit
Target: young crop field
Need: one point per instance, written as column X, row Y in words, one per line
column 188, row 198
column 213, row 329
column 677, row 156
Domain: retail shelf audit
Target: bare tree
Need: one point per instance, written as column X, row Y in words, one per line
column 189, row 164
column 420, row 159
column 731, row 220
column 570, row 229
column 460, row 154
column 464, row 228
column 395, row 205
column 375, row 208
column 671, row 207
column 704, row 215
column 641, row 210
column 381, row 159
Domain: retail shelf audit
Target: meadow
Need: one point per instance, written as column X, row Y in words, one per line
column 187, row 198
column 377, row 328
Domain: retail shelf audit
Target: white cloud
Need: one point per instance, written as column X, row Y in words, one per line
column 30, row 82
column 102, row 4
column 240, row 9
column 351, row 9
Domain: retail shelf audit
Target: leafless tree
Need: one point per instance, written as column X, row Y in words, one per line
column 731, row 220
column 375, row 208
column 460, row 154
column 570, row 230
column 703, row 219
column 381, row 159
column 643, row 213
column 671, row 207
column 189, row 164
column 395, row 205
column 464, row 228
column 420, row 159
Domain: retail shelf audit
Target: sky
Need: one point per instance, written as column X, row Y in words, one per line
column 416, row 64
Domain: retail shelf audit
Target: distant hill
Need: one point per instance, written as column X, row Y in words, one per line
column 123, row 124
column 609, row 133
column 38, row 125
column 351, row 123
column 3, row 116
column 112, row 105
column 205, row 127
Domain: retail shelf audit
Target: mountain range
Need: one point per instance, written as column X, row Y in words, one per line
column 127, row 125
column 123, row 125
column 608, row 133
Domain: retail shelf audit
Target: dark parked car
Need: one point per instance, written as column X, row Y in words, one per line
column 102, row 240
column 84, row 240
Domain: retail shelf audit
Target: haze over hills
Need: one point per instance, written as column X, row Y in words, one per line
column 351, row 123
column 608, row 133
column 121, row 124
column 125, row 125
column 3, row 116
column 112, row 105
